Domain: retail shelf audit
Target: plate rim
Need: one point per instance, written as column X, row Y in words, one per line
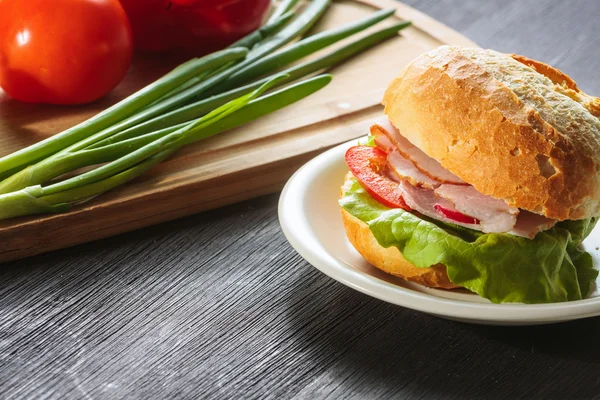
column 298, row 233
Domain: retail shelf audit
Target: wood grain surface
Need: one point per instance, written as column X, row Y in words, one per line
column 243, row 163
column 219, row 306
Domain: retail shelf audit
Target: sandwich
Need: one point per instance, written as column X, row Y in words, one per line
column 483, row 174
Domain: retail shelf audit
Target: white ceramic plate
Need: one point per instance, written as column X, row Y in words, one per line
column 310, row 218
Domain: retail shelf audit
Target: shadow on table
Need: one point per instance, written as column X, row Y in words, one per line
column 366, row 346
column 575, row 340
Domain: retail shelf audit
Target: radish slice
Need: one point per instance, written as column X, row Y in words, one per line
column 455, row 215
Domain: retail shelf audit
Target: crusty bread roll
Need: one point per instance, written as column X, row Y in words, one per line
column 514, row 128
column 390, row 259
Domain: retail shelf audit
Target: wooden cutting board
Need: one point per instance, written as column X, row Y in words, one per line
column 247, row 162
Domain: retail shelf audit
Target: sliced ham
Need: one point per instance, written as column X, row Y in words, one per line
column 494, row 214
column 403, row 168
column 424, row 201
column 383, row 143
column 431, row 190
column 422, row 161
column 530, row 224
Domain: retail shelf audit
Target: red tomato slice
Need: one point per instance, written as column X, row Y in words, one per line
column 368, row 165
column 455, row 215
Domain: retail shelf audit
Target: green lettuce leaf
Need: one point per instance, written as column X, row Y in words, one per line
column 497, row 266
column 369, row 141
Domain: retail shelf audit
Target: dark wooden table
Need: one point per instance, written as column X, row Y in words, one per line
column 220, row 306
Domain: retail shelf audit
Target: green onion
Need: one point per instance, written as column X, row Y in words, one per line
column 254, row 110
column 26, row 177
column 281, row 16
column 201, row 107
column 283, row 7
column 59, row 142
column 123, row 109
column 52, row 167
column 42, row 173
column 168, row 104
column 67, row 161
column 269, row 29
column 25, row 202
column 298, row 50
column 93, row 189
column 163, row 143
column 58, row 197
column 299, row 26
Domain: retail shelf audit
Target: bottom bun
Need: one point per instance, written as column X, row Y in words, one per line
column 390, row 259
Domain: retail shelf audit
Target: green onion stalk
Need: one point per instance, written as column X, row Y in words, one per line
column 125, row 108
column 60, row 196
column 132, row 105
column 284, row 7
column 199, row 99
column 198, row 108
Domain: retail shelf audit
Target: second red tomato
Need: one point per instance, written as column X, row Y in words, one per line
column 194, row 26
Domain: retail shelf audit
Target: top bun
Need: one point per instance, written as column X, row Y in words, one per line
column 514, row 128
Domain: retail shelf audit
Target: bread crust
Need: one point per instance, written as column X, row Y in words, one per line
column 390, row 259
column 452, row 104
column 564, row 84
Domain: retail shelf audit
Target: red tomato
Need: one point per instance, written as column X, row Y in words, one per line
column 63, row 51
column 194, row 26
column 368, row 164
